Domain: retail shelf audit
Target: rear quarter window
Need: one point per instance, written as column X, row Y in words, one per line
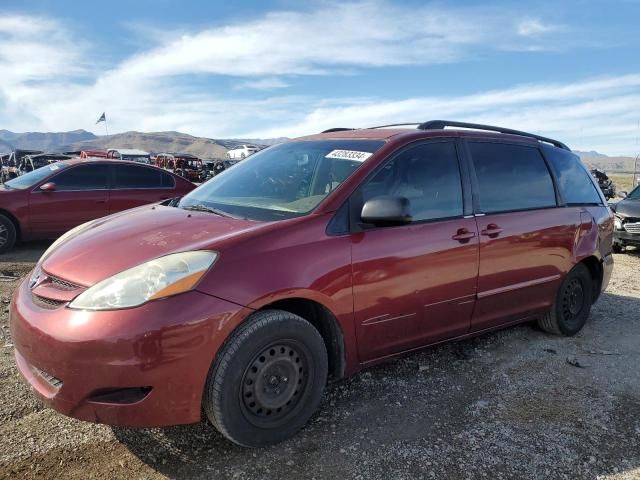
column 574, row 181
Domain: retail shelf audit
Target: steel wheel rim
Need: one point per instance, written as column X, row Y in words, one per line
column 274, row 383
column 4, row 235
column 573, row 301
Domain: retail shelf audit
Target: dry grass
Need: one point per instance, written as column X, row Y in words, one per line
column 623, row 181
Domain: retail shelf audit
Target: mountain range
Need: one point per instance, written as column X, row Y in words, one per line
column 202, row 147
column 154, row 142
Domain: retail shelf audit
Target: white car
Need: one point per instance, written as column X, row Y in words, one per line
column 242, row 152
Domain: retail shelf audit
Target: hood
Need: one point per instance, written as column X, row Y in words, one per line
column 124, row 240
column 628, row 208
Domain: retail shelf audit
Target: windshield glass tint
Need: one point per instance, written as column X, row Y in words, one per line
column 30, row 179
column 283, row 181
column 635, row 194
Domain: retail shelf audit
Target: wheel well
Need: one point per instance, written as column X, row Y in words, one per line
column 595, row 268
column 13, row 220
column 325, row 322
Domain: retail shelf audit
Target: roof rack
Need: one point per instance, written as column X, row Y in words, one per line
column 395, row 125
column 441, row 124
column 337, row 129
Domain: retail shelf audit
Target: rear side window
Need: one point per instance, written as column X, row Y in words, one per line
column 511, row 177
column 574, row 181
column 132, row 177
column 428, row 175
column 84, row 177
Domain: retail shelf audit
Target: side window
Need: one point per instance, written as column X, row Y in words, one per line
column 428, row 175
column 511, row 177
column 573, row 179
column 168, row 181
column 83, row 177
column 131, row 176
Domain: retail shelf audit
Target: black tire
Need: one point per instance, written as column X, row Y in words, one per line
column 7, row 234
column 617, row 248
column 572, row 305
column 267, row 380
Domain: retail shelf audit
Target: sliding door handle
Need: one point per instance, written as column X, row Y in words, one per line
column 492, row 230
column 463, row 235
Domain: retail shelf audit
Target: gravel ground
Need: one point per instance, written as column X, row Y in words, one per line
column 504, row 405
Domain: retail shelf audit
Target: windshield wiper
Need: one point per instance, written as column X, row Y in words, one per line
column 203, row 208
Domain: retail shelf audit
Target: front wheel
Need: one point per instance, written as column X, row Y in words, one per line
column 267, row 380
column 7, row 234
column 572, row 305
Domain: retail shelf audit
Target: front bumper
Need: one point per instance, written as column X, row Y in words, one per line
column 622, row 237
column 145, row 366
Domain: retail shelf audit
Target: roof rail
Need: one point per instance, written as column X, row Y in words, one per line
column 396, row 125
column 337, row 129
column 441, row 124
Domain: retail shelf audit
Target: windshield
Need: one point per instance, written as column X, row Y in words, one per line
column 30, row 179
column 634, row 194
column 283, row 181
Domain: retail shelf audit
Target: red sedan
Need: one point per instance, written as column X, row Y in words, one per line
column 53, row 199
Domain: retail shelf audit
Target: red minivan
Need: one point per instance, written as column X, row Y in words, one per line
column 50, row 200
column 310, row 260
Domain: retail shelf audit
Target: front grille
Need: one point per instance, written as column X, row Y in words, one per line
column 51, row 380
column 63, row 284
column 47, row 303
column 632, row 227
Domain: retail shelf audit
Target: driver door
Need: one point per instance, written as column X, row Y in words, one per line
column 415, row 284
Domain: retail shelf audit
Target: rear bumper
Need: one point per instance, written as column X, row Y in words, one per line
column 145, row 366
column 626, row 238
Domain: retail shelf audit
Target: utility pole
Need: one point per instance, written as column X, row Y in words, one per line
column 635, row 163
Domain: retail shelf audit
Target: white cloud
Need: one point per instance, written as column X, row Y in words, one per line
column 532, row 27
column 49, row 83
column 267, row 83
column 598, row 114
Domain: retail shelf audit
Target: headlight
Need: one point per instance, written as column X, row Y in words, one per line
column 617, row 222
column 159, row 278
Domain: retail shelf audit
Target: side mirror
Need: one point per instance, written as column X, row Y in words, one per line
column 622, row 194
column 48, row 187
column 386, row 210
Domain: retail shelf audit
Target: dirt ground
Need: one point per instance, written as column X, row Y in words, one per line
column 505, row 405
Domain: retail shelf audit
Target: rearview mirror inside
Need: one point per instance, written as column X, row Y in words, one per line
column 386, row 210
column 622, row 194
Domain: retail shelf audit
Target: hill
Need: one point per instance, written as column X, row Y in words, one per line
column 154, row 142
column 604, row 162
column 47, row 141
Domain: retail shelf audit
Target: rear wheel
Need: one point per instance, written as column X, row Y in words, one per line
column 573, row 303
column 268, row 379
column 7, row 234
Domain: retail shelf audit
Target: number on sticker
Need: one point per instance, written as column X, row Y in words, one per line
column 349, row 155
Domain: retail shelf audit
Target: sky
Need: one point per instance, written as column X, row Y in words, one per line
column 258, row 69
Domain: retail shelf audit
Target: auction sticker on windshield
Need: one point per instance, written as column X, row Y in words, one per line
column 348, row 155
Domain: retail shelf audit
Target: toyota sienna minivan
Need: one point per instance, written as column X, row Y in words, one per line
column 309, row 261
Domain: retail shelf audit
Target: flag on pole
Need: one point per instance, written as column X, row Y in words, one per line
column 103, row 118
